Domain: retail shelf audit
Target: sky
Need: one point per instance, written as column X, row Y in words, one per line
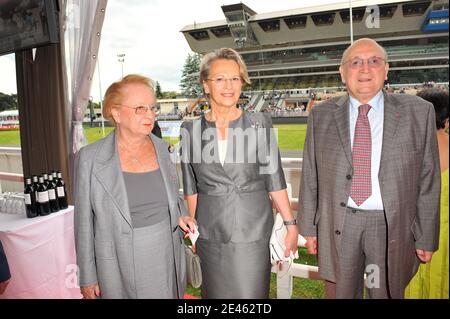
column 148, row 33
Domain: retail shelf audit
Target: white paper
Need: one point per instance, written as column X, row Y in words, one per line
column 193, row 236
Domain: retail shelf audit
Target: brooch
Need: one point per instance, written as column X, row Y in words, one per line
column 171, row 148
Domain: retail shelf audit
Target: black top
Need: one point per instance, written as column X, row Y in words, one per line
column 4, row 268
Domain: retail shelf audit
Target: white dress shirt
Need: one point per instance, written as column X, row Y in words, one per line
column 376, row 119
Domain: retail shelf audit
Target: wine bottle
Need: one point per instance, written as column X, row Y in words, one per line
column 53, row 200
column 35, row 186
column 30, row 199
column 61, row 192
column 45, row 179
column 43, row 204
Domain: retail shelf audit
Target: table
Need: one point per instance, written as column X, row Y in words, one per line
column 41, row 255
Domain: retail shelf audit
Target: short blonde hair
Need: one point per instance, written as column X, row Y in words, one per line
column 114, row 94
column 225, row 54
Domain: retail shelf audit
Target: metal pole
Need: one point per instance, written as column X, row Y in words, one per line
column 121, row 59
column 101, row 95
column 351, row 22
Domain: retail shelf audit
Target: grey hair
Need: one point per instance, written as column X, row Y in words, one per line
column 346, row 52
column 225, row 54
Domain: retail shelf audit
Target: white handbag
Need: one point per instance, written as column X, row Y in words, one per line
column 276, row 243
column 193, row 269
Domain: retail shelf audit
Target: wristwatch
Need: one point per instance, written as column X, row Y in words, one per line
column 290, row 222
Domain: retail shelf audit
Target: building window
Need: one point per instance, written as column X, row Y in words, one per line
column 222, row 32
column 270, row 25
column 414, row 9
column 323, row 18
column 357, row 13
column 295, row 22
column 200, row 35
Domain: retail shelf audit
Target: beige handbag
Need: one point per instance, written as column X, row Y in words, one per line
column 193, row 269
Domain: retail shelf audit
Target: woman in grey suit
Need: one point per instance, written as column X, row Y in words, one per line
column 231, row 166
column 127, row 207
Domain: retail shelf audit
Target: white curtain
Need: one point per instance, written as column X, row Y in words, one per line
column 83, row 25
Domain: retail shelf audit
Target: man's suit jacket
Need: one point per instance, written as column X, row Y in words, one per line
column 103, row 228
column 157, row 130
column 409, row 181
column 4, row 268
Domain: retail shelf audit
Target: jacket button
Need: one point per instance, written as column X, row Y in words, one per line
column 337, row 232
column 349, row 177
column 343, row 204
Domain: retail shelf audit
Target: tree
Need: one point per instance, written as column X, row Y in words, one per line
column 159, row 93
column 8, row 102
column 169, row 95
column 190, row 87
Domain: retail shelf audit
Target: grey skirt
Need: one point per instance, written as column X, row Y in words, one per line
column 154, row 262
column 234, row 270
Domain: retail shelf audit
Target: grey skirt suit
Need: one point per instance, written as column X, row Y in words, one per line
column 234, row 212
column 126, row 261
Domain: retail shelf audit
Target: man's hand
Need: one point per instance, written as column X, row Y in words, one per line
column 424, row 256
column 311, row 245
column 3, row 286
column 90, row 292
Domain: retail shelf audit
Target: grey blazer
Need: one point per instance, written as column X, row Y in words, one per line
column 103, row 229
column 233, row 201
column 409, row 180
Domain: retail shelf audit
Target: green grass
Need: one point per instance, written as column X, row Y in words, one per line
column 290, row 136
column 302, row 288
column 10, row 138
column 95, row 133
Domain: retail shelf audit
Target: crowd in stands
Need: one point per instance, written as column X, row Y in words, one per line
column 307, row 99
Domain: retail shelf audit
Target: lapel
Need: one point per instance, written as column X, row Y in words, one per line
column 170, row 180
column 109, row 173
column 213, row 141
column 392, row 115
column 341, row 117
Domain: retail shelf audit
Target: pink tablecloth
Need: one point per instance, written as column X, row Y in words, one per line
column 41, row 255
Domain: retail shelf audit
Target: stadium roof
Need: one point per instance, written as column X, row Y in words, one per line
column 294, row 12
column 324, row 8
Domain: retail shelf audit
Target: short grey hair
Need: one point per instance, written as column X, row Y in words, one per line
column 350, row 47
column 225, row 54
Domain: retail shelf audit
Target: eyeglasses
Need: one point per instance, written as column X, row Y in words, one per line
column 220, row 81
column 142, row 109
column 374, row 62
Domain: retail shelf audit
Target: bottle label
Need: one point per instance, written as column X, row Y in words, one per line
column 43, row 197
column 27, row 199
column 60, row 190
column 51, row 194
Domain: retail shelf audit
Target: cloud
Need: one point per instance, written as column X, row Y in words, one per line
column 148, row 33
column 8, row 74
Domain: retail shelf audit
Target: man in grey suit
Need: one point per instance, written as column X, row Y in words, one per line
column 369, row 193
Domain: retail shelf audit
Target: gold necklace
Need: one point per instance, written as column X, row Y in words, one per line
column 134, row 159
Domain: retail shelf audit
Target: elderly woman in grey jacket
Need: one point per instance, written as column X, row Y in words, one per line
column 127, row 206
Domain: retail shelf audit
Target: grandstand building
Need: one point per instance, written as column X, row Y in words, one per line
column 301, row 48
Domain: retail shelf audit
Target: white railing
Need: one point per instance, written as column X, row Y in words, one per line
column 285, row 281
column 11, row 161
